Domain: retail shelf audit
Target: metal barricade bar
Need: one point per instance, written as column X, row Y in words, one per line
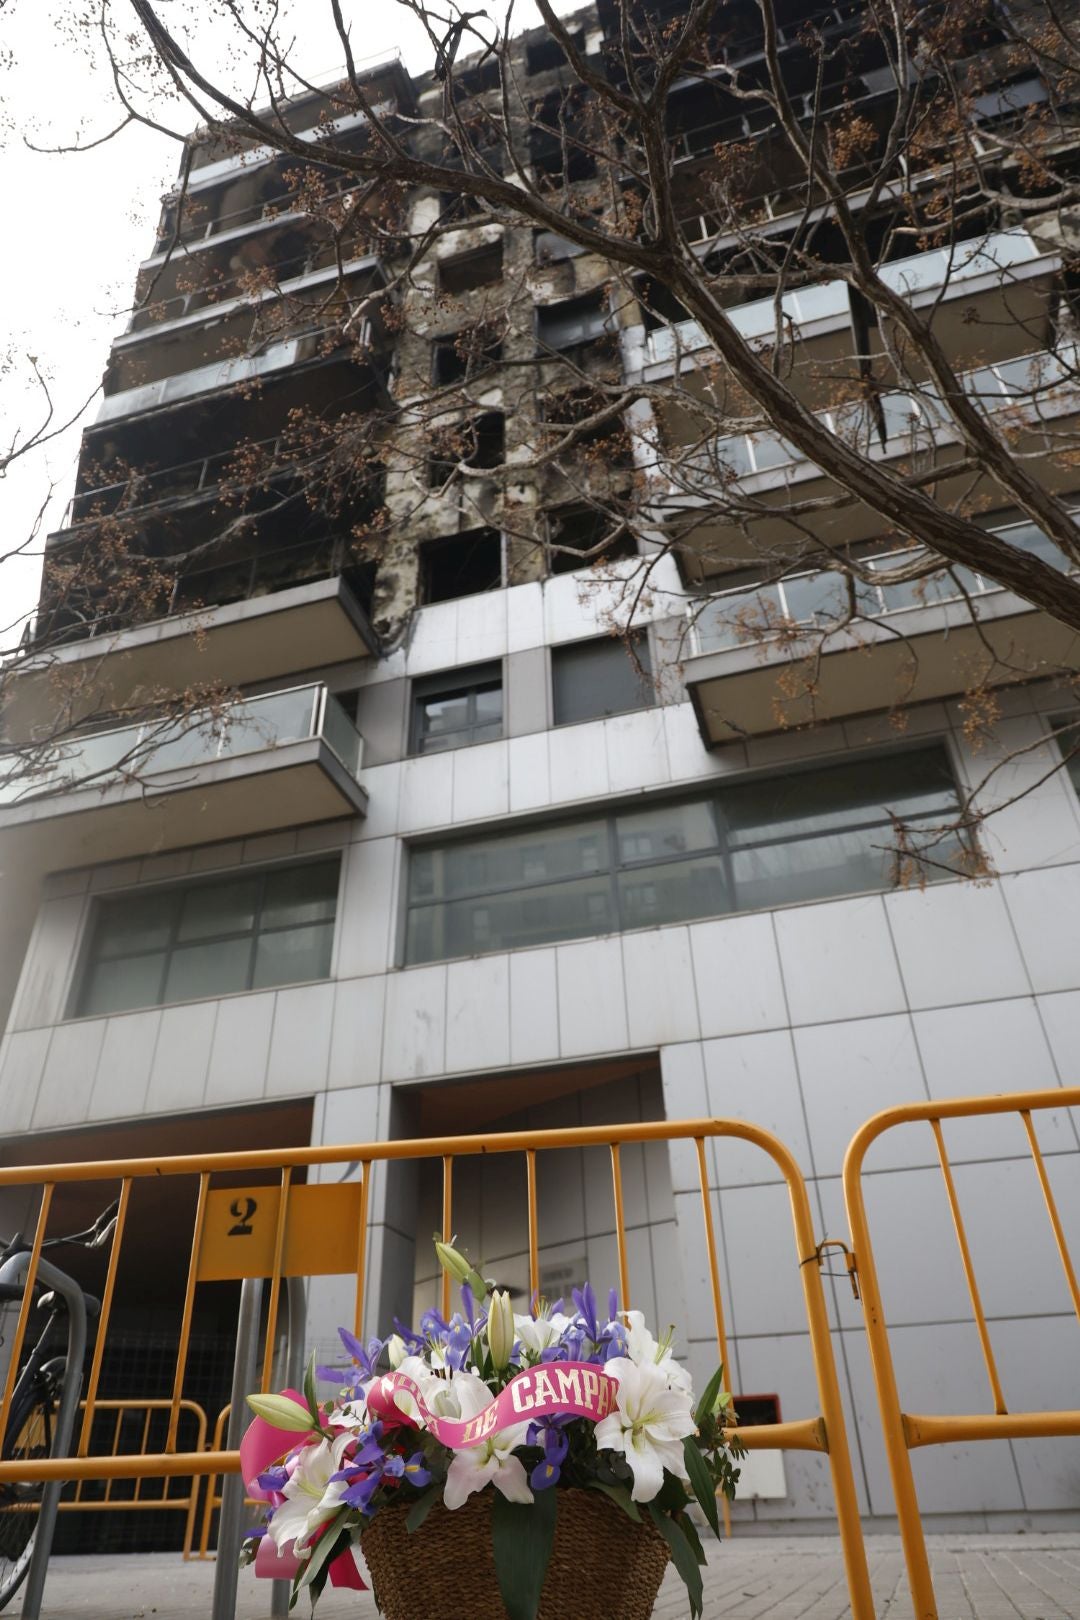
column 283, row 1258
column 904, row 1432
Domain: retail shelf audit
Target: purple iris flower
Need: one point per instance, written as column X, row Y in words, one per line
column 415, row 1471
column 556, row 1445
column 459, row 1340
column 549, row 1432
column 434, row 1327
column 274, row 1479
column 585, row 1300
column 359, row 1495
column 367, row 1359
column 412, row 1340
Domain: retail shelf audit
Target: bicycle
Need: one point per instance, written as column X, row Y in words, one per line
column 38, row 1394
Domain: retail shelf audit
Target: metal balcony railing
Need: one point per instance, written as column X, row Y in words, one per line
column 816, row 600
column 148, row 489
column 288, row 275
column 911, row 423
column 190, row 742
column 998, row 254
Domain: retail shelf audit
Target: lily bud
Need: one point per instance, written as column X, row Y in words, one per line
column 453, row 1262
column 500, row 1328
column 396, row 1349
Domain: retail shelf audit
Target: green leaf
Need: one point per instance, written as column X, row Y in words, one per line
column 309, row 1390
column 422, row 1507
column 326, row 1550
column 708, row 1399
column 619, row 1494
column 682, row 1555
column 521, row 1535
column 689, row 1530
column 283, row 1413
column 702, row 1482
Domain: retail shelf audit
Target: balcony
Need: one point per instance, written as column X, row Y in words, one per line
column 1006, row 272
column 277, row 761
column 912, row 643
column 256, row 626
column 223, row 343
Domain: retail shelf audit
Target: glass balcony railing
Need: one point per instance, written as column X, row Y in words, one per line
column 1000, row 253
column 139, row 753
column 907, row 422
column 749, row 615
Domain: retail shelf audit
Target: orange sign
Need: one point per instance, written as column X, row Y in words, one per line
column 322, row 1232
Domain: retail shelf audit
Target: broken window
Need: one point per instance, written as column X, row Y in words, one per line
column 541, row 55
column 479, row 443
column 573, row 322
column 464, row 272
column 464, row 354
column 461, row 565
column 562, row 141
column 574, row 532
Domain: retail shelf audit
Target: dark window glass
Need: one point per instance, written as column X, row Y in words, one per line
column 592, row 679
column 457, row 710
column 754, row 845
column 211, row 938
column 574, row 321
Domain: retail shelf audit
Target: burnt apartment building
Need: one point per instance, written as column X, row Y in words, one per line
column 430, row 849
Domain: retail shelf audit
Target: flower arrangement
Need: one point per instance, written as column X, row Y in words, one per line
column 533, row 1406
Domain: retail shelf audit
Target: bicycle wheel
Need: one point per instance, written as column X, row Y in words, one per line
column 29, row 1434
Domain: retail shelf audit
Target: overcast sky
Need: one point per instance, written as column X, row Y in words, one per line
column 77, row 225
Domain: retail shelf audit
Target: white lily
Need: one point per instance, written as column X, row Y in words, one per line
column 538, row 1332
column 474, row 1466
column 648, row 1426
column 643, row 1349
column 312, row 1496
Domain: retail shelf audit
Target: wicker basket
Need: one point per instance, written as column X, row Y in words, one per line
column 602, row 1564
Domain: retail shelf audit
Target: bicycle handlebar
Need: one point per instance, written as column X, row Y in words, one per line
column 92, row 1238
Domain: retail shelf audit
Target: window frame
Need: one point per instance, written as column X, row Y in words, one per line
column 173, row 894
column 455, row 683
column 613, row 869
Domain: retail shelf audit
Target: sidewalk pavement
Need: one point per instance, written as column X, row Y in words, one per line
column 1032, row 1577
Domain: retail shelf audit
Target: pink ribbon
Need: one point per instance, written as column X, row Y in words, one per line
column 570, row 1388
column 262, row 1446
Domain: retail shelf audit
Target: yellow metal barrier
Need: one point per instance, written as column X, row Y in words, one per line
column 137, row 1502
column 904, row 1431
column 280, row 1229
column 212, row 1499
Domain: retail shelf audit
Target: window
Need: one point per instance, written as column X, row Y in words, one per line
column 457, row 709
column 465, row 354
column 466, row 271
column 573, row 321
column 592, row 679
column 479, row 443
column 549, row 247
column 460, row 565
column 545, row 53
column 574, row 532
column 241, row 931
column 780, row 840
